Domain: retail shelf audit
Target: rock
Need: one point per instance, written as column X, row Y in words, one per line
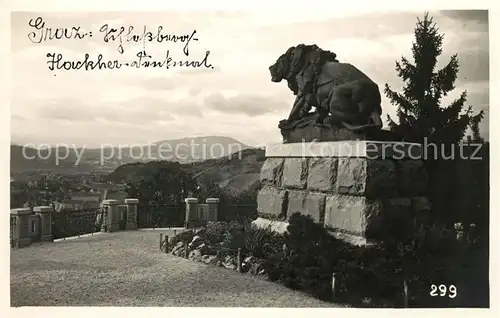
column 245, row 265
column 275, row 226
column 254, row 266
column 307, row 203
column 322, row 174
column 295, row 173
column 195, row 242
column 195, row 255
column 262, row 272
column 204, row 249
column 229, row 262
column 177, row 247
column 209, row 259
column 272, row 171
column 179, row 252
column 272, row 201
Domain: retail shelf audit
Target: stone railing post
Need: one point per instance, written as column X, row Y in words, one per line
column 103, row 210
column 213, row 209
column 22, row 226
column 190, row 211
column 131, row 214
column 113, row 217
column 45, row 213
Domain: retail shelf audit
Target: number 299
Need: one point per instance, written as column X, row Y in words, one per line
column 450, row 291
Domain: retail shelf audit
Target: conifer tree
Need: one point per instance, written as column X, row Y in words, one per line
column 420, row 113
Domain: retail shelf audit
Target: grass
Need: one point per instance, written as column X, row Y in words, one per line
column 127, row 269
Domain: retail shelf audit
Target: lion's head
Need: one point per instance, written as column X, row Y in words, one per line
column 279, row 70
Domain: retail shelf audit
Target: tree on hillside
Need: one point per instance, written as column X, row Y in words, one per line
column 166, row 183
column 420, row 113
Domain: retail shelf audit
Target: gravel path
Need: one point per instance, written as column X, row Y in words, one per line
column 127, row 269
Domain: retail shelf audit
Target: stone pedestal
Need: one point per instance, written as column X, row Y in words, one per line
column 308, row 130
column 22, row 230
column 362, row 190
column 213, row 209
column 131, row 214
column 45, row 213
column 113, row 217
column 191, row 216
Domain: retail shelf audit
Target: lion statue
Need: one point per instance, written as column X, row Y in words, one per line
column 341, row 94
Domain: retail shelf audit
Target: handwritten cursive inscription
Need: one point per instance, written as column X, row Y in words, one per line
column 145, row 60
column 128, row 34
column 56, row 62
column 120, row 35
column 43, row 33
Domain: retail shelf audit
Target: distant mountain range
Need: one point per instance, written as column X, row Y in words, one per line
column 185, row 150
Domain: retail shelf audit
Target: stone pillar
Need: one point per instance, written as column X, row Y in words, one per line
column 131, row 214
column 45, row 213
column 213, row 209
column 363, row 190
column 113, row 217
column 190, row 212
column 104, row 217
column 22, row 226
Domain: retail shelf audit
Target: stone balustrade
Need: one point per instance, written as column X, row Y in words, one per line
column 131, row 214
column 199, row 213
column 32, row 225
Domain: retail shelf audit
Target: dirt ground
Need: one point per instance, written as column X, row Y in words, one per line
column 128, row 269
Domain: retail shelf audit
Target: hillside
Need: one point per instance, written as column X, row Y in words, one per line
column 183, row 150
column 237, row 172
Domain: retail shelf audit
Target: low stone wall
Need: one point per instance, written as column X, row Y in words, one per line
column 356, row 192
column 27, row 225
column 197, row 214
column 33, row 225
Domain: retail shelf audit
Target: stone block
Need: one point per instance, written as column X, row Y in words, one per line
column 366, row 177
column 412, row 177
column 322, row 174
column 307, row 203
column 272, row 201
column 272, row 171
column 352, row 176
column 295, row 173
column 353, row 214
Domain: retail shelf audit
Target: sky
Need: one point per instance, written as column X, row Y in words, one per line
column 235, row 99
